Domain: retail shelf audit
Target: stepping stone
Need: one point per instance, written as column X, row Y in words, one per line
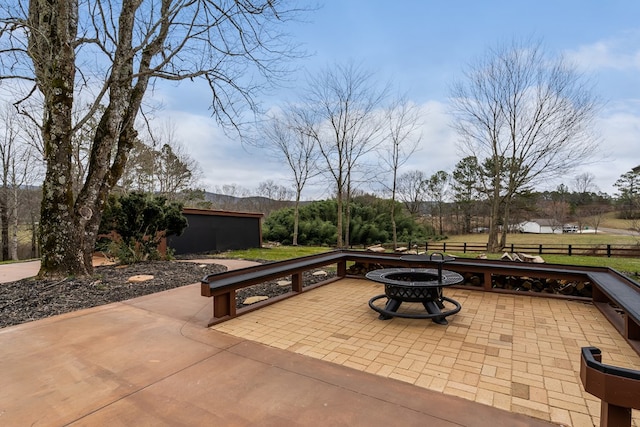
column 319, row 273
column 139, row 278
column 255, row 299
column 283, row 283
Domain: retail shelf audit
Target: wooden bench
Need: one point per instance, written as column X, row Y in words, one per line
column 617, row 388
column 615, row 295
column 223, row 286
column 611, row 291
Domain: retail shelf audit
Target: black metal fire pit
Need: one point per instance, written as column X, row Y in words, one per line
column 415, row 285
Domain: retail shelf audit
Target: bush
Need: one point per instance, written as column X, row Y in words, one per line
column 139, row 222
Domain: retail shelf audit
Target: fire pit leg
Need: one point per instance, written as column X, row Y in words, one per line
column 433, row 307
column 392, row 305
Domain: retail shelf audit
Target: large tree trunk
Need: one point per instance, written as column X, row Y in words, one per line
column 53, row 30
column 505, row 227
column 69, row 228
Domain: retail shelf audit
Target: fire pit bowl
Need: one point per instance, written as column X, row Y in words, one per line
column 421, row 285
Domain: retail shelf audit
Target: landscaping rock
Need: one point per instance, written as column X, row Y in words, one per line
column 139, row 278
column 255, row 299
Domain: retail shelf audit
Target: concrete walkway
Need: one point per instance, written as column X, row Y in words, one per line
column 153, row 361
column 22, row 270
column 18, row 270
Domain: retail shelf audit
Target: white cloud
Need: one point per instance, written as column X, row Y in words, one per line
column 438, row 146
column 619, row 53
column 222, row 159
column 225, row 160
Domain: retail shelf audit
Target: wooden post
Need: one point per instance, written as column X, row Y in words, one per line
column 342, row 268
column 487, row 281
column 631, row 328
column 224, row 305
column 614, row 416
column 296, row 282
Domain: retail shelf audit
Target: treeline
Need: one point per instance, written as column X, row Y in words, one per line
column 370, row 223
column 370, row 217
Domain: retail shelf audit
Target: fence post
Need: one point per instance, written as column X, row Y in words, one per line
column 464, row 249
column 569, row 250
column 608, row 251
column 540, row 250
column 444, row 247
column 426, row 247
column 512, row 248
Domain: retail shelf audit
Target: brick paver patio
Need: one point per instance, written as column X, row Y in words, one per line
column 517, row 353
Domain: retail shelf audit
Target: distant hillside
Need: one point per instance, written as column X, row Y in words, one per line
column 246, row 204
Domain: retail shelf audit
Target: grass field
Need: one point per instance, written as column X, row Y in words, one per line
column 610, row 220
column 630, row 266
column 555, row 239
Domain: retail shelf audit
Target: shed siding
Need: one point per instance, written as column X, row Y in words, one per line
column 209, row 232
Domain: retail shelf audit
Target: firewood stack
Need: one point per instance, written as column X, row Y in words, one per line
column 360, row 269
column 578, row 288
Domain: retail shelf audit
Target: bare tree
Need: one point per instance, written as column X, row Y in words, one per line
column 346, row 126
column 287, row 136
column 529, row 115
column 585, row 183
column 231, row 197
column 8, row 146
column 592, row 215
column 403, row 119
column 109, row 53
column 411, row 189
column 17, row 167
column 271, row 196
column 556, row 208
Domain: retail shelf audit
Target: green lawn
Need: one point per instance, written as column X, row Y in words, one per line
column 630, row 266
column 555, row 239
column 277, row 253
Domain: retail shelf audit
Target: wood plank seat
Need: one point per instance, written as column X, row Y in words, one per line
column 223, row 286
column 617, row 388
column 614, row 293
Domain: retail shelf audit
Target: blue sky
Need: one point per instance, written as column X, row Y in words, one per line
column 422, row 47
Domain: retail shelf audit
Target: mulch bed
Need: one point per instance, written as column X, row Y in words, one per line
column 29, row 299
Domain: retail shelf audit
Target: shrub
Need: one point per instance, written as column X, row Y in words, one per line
column 139, row 222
